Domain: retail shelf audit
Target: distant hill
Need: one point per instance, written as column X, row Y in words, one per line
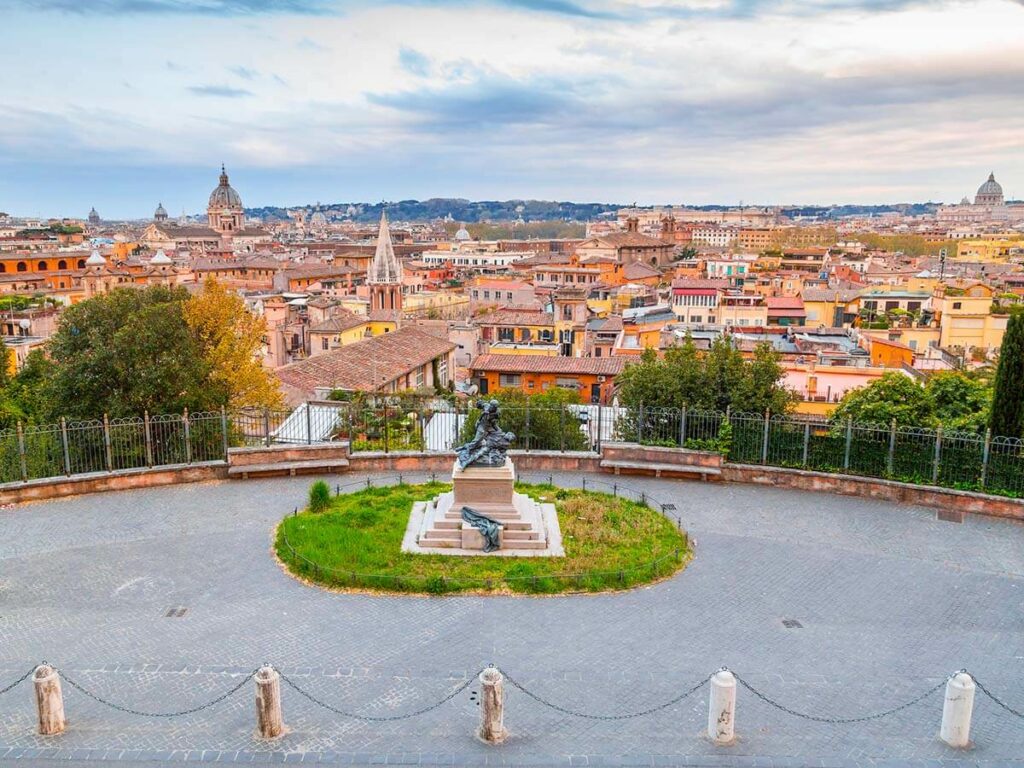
column 468, row 211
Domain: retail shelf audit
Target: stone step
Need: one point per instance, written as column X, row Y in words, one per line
column 441, row 543
column 521, row 535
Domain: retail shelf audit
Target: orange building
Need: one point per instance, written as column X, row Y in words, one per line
column 592, row 377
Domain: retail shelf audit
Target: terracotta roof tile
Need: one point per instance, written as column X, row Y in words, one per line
column 604, row 366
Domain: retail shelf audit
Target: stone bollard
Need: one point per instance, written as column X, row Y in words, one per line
column 956, row 711
column 722, row 708
column 269, row 723
column 49, row 700
column 492, row 710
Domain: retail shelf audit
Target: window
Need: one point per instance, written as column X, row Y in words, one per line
column 487, row 294
column 419, row 377
column 597, row 351
column 508, row 379
column 524, row 334
column 506, row 334
column 567, row 383
column 324, row 342
column 22, row 266
column 958, row 305
column 509, row 295
column 442, row 371
column 62, row 264
column 42, row 266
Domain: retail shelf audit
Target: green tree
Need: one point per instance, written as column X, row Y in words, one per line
column 551, row 425
column 894, row 396
column 959, row 401
column 125, row 352
column 1008, row 397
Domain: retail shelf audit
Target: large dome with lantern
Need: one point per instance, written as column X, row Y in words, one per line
column 224, row 195
column 989, row 193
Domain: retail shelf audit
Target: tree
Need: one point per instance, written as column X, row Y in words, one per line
column 552, row 423
column 894, row 396
column 229, row 338
column 25, row 396
column 1008, row 397
column 959, row 401
column 124, row 352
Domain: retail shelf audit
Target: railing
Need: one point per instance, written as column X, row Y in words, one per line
column 962, row 460
column 923, row 456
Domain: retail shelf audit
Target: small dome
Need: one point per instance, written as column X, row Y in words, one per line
column 463, row 234
column 95, row 260
column 318, row 219
column 160, row 213
column 160, row 259
column 224, row 196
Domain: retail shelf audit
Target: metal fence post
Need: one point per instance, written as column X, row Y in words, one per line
column 64, row 446
column 765, row 436
column 985, row 452
column 309, row 424
column 224, row 431
column 807, row 441
column 937, row 455
column 266, row 427
column 640, row 423
column 21, row 454
column 386, row 426
column 527, row 424
column 682, row 427
column 891, row 463
column 106, row 443
column 149, row 438
column 849, row 441
column 188, row 436
column 561, row 429
column 600, row 414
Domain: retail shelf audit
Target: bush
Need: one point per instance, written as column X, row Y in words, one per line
column 319, row 496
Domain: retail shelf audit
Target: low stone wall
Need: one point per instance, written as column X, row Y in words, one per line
column 119, row 480
column 953, row 502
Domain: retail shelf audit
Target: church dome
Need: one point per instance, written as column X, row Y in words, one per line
column 989, row 193
column 463, row 234
column 318, row 219
column 160, row 214
column 95, row 260
column 160, row 259
column 224, row 196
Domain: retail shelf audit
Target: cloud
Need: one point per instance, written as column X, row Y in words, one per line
column 414, row 62
column 244, row 72
column 221, row 91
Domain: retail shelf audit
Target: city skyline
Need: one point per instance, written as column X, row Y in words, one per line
column 700, row 102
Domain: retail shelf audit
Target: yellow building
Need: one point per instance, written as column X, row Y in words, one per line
column 992, row 249
column 344, row 328
column 742, row 309
column 964, row 315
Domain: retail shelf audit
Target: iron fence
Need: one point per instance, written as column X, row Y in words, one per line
column 924, row 456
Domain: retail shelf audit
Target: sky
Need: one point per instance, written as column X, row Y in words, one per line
column 121, row 104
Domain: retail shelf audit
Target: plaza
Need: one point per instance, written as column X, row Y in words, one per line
column 163, row 599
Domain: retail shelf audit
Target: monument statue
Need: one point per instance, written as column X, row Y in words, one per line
column 489, row 445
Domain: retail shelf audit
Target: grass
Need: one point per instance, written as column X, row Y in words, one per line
column 610, row 543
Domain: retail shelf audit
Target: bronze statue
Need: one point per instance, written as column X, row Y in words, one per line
column 489, row 445
column 489, row 529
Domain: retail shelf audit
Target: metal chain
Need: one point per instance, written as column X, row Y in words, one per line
column 574, row 713
column 17, row 682
column 837, row 720
column 987, row 692
column 131, row 711
column 379, row 718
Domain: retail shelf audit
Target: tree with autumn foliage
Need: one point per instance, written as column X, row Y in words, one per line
column 229, row 338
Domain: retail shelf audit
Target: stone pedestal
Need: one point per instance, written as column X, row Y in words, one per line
column 526, row 524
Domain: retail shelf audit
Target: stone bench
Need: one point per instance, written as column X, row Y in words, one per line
column 658, row 469
column 288, row 467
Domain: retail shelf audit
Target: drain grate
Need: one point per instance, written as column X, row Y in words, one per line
column 175, row 612
column 792, row 624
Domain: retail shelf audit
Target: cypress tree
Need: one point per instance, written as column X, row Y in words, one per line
column 1008, row 400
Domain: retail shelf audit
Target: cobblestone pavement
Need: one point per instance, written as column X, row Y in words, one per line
column 890, row 601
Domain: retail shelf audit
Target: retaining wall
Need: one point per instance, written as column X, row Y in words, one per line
column 952, row 504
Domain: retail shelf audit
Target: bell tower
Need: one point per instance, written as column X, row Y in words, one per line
column 385, row 275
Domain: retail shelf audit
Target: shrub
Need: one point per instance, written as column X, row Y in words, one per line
column 319, row 496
